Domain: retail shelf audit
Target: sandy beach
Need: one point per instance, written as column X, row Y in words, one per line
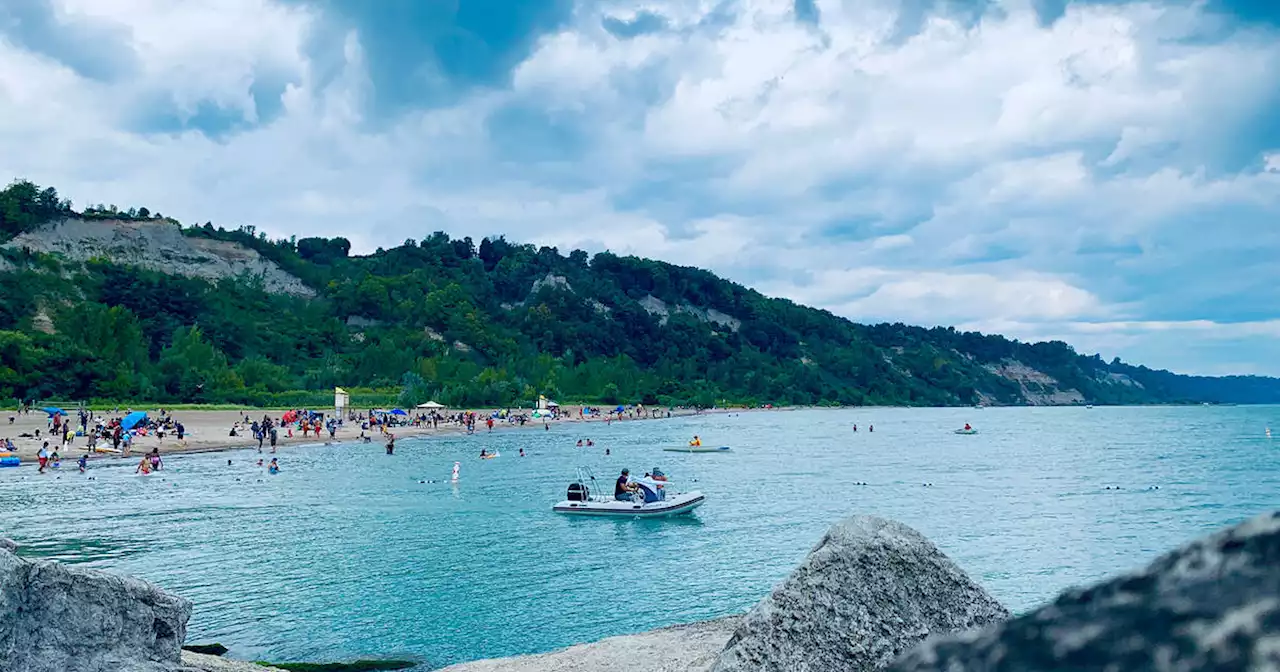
column 209, row 431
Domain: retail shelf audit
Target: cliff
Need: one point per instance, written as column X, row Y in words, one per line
column 157, row 245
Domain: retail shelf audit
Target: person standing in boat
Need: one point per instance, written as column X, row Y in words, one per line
column 624, row 489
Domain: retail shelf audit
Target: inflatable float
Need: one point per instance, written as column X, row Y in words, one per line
column 698, row 449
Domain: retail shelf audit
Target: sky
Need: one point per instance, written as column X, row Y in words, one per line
column 1105, row 173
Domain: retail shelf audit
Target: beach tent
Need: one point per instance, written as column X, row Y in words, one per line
column 398, row 411
column 431, row 404
column 133, row 419
column 54, row 411
column 620, row 409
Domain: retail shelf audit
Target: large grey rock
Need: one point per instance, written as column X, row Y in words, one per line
column 868, row 591
column 8, row 545
column 1211, row 605
column 56, row 618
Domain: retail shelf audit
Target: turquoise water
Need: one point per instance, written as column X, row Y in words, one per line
column 347, row 554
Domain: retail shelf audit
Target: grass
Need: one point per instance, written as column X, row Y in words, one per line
column 356, row 666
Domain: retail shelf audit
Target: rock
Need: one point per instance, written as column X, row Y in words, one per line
column 871, row 589
column 199, row 662
column 214, row 649
column 1211, row 605
column 55, row 618
column 8, row 545
column 680, row 648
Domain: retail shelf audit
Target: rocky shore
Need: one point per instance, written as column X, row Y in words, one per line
column 873, row 594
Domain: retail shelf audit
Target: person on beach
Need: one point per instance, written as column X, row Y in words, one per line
column 181, row 432
column 274, row 437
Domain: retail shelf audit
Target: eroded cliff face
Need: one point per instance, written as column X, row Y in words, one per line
column 158, row 245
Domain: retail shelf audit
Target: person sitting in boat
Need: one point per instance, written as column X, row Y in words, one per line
column 696, row 441
column 658, row 475
column 623, row 489
column 967, row 428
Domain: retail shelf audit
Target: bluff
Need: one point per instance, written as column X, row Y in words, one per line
column 129, row 305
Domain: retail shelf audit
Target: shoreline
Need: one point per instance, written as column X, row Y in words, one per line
column 207, row 432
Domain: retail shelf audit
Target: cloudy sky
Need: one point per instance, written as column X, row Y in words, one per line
column 1107, row 173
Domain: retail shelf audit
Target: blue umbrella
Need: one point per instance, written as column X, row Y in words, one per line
column 398, row 412
column 52, row 410
column 133, row 419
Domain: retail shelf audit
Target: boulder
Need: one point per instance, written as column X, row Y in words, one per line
column 8, row 545
column 58, row 618
column 871, row 589
column 1211, row 605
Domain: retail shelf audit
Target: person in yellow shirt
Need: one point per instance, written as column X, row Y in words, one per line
column 696, row 441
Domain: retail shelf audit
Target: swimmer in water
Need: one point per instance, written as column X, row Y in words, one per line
column 522, row 452
column 579, row 443
column 606, row 451
column 590, row 442
column 274, row 467
column 84, row 463
column 144, row 467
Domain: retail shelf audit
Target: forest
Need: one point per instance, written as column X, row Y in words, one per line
column 488, row 324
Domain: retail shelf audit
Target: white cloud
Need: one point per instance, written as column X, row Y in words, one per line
column 1271, row 162
column 999, row 173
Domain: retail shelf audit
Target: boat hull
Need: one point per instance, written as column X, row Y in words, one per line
column 698, row 449
column 676, row 506
column 966, row 432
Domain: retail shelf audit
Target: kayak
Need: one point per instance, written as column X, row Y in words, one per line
column 698, row 449
column 966, row 431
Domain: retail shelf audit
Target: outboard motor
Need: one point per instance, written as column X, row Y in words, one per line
column 578, row 492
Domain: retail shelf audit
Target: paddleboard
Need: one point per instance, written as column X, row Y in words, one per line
column 698, row 449
column 113, row 451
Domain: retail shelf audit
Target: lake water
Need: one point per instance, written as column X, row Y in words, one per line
column 347, row 554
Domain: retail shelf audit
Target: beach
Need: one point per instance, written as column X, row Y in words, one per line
column 210, row 430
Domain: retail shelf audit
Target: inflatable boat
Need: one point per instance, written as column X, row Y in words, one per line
column 652, row 499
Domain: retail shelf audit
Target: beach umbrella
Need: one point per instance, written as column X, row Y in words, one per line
column 133, row 419
column 53, row 411
column 398, row 411
column 620, row 409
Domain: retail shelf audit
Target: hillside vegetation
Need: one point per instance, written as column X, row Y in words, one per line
column 127, row 305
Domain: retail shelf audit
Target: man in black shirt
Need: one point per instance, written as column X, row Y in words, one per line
column 622, row 489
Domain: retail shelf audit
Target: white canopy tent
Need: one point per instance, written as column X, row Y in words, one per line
column 431, row 404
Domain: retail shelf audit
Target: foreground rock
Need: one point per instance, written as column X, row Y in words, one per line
column 682, row 648
column 55, row 618
column 871, row 589
column 1211, row 605
column 199, row 662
